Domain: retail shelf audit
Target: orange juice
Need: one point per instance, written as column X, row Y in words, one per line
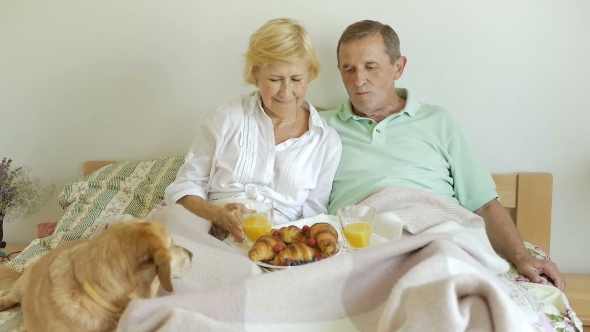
column 358, row 234
column 256, row 226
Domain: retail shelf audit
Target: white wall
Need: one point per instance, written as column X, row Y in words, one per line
column 127, row 80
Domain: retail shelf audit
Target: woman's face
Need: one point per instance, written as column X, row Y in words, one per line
column 282, row 87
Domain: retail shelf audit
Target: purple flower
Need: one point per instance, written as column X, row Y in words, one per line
column 7, row 189
column 20, row 193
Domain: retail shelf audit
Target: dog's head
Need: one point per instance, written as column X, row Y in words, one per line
column 148, row 245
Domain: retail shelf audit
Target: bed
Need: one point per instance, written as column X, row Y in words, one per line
column 109, row 189
column 526, row 196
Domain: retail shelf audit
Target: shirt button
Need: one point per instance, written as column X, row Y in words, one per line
column 370, row 122
column 378, row 131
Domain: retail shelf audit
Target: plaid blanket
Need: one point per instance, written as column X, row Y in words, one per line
column 437, row 273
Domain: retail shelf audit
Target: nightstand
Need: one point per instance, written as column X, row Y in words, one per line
column 577, row 290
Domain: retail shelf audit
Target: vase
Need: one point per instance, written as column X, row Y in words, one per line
column 2, row 243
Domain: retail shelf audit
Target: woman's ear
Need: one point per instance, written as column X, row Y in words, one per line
column 256, row 74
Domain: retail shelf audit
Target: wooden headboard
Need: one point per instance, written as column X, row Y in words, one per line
column 526, row 196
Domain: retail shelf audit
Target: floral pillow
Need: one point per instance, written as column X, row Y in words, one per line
column 130, row 187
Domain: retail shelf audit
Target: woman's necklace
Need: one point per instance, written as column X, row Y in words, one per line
column 293, row 126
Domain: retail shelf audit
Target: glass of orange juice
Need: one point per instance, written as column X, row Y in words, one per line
column 258, row 223
column 357, row 225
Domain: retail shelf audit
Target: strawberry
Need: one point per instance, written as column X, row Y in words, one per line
column 305, row 229
column 311, row 242
column 278, row 247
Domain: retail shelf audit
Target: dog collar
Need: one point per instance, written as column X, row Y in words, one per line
column 99, row 299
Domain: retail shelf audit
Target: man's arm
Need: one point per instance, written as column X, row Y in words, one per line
column 508, row 243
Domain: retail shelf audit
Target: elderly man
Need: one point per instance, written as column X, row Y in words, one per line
column 391, row 139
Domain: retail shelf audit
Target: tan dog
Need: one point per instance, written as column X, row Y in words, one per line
column 85, row 285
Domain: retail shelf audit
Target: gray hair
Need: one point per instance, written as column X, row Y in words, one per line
column 366, row 28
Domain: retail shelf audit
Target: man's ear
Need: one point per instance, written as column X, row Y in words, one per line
column 400, row 65
column 338, row 68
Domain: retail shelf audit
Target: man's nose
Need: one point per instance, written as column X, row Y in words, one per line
column 359, row 78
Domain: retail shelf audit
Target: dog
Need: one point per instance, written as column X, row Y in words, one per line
column 85, row 285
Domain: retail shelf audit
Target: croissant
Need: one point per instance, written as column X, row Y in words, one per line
column 264, row 248
column 295, row 251
column 292, row 234
column 326, row 237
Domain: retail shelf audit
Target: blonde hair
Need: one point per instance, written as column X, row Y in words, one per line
column 280, row 40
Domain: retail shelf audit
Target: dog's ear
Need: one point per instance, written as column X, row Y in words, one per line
column 161, row 257
column 163, row 260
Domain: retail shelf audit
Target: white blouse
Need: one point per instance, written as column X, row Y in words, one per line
column 234, row 156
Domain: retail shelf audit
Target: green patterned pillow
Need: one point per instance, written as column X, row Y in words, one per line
column 130, row 187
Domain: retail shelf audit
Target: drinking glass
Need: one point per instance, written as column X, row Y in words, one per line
column 258, row 223
column 357, row 222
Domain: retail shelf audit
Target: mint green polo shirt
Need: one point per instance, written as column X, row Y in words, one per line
column 420, row 147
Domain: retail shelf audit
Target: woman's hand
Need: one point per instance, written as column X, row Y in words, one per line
column 228, row 218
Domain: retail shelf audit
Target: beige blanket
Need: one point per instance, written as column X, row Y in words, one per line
column 438, row 273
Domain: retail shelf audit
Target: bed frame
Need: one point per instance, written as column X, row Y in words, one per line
column 526, row 196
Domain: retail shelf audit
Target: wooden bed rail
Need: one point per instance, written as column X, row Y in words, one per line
column 528, row 198
column 93, row 165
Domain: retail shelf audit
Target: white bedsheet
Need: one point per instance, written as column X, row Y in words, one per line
column 441, row 278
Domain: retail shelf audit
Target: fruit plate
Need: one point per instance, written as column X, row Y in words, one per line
column 299, row 223
column 270, row 267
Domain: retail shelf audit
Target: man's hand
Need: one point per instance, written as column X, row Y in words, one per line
column 507, row 242
column 533, row 268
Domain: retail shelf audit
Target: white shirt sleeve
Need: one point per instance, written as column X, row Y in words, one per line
column 194, row 175
column 317, row 199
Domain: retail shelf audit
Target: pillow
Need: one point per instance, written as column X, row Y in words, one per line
column 130, row 187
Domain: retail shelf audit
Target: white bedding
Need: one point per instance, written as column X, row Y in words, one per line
column 442, row 278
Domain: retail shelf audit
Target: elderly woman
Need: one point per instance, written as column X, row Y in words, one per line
column 271, row 145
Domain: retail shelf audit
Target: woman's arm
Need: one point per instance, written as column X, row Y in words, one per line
column 190, row 187
column 194, row 175
column 224, row 217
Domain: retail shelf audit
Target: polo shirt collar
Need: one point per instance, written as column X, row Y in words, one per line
column 412, row 106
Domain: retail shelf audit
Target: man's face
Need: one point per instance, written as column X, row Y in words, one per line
column 368, row 74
